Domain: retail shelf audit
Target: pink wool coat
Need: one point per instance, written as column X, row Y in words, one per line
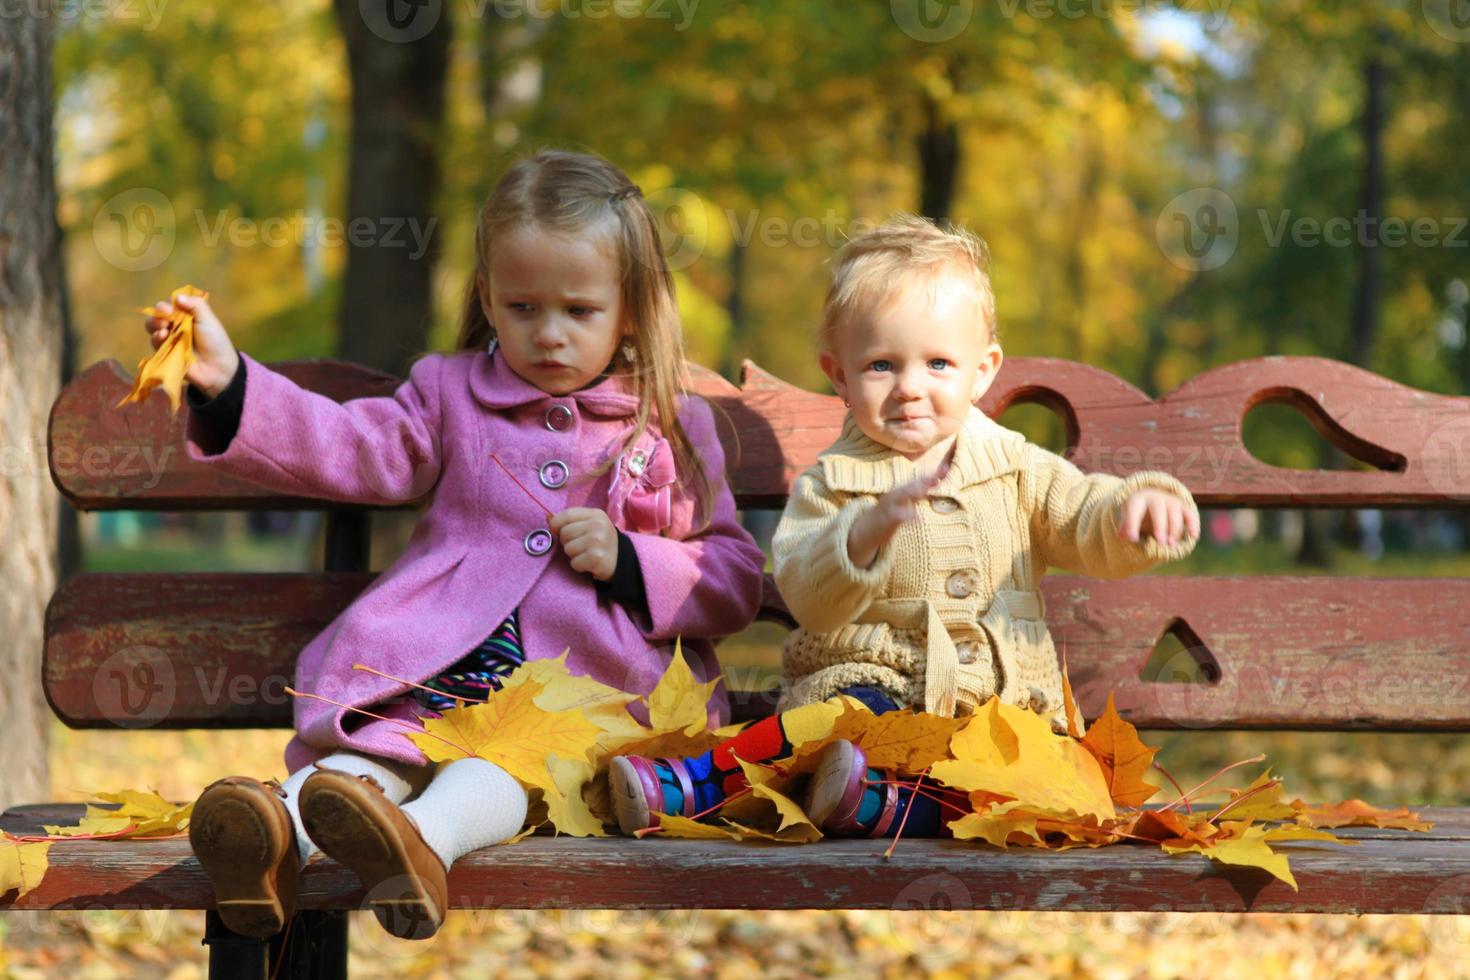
column 482, row 548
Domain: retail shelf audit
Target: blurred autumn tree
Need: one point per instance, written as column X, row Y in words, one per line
column 766, row 132
column 32, row 312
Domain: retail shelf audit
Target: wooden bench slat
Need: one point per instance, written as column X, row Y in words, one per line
column 105, row 458
column 1349, row 654
column 1390, row 871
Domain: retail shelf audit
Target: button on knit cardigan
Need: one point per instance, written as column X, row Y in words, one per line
column 949, row 612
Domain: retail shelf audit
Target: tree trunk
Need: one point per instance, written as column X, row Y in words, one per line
column 1316, row 547
column 30, row 376
column 939, row 161
column 1365, row 304
column 397, row 115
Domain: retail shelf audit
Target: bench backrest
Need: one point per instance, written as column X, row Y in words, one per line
column 1275, row 652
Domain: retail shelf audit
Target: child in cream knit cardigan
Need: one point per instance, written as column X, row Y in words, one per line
column 910, row 554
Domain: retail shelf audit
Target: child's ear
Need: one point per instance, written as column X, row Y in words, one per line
column 990, row 363
column 833, row 370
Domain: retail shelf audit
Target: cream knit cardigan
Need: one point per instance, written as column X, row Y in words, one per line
column 949, row 612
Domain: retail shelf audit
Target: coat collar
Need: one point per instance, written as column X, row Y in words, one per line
column 982, row 449
column 496, row 386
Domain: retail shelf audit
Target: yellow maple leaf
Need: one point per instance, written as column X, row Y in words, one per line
column 561, row 690
column 1012, row 752
column 511, row 730
column 1124, row 758
column 1069, row 703
column 1264, row 803
column 905, row 741
column 22, row 865
column 165, row 367
column 670, row 825
column 997, row 823
column 1356, row 813
column 137, row 814
column 678, row 701
column 795, row 825
column 568, row 811
column 1249, row 848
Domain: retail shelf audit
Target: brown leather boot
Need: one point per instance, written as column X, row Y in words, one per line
column 242, row 836
column 350, row 819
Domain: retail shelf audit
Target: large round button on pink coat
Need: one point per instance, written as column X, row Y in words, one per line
column 554, row 474
column 538, row 542
column 558, row 418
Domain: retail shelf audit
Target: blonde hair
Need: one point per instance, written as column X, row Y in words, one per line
column 872, row 268
column 582, row 194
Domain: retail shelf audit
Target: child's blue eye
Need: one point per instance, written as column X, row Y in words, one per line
column 579, row 310
column 879, row 366
column 938, row 364
column 519, row 307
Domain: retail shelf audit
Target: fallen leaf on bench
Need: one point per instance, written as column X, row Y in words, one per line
column 1356, row 813
column 513, row 732
column 1002, row 774
column 165, row 367
column 1009, row 751
column 1265, row 801
column 568, row 811
column 905, row 740
column 1250, row 849
column 22, row 865
column 678, row 701
column 1124, row 758
column 137, row 814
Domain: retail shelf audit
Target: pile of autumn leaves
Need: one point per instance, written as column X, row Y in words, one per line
column 1026, row 785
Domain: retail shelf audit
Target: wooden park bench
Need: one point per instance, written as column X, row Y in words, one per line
column 1274, row 653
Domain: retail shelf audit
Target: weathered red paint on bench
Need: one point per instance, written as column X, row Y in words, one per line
column 1276, row 652
column 185, row 650
column 1416, row 439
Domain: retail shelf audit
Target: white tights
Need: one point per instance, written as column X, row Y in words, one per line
column 467, row 804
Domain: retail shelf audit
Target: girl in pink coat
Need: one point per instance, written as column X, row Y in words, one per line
column 578, row 504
